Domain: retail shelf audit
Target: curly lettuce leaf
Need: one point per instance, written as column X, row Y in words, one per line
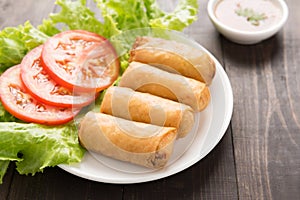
column 48, row 27
column 76, row 15
column 15, row 42
column 6, row 116
column 127, row 15
column 35, row 147
column 132, row 14
column 152, row 9
column 3, row 168
column 183, row 15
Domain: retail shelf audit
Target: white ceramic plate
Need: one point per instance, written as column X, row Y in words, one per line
column 210, row 126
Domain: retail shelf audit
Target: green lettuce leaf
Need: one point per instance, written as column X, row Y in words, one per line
column 35, row 147
column 183, row 15
column 152, row 9
column 6, row 116
column 48, row 27
column 127, row 15
column 132, row 14
column 3, row 168
column 15, row 42
column 76, row 15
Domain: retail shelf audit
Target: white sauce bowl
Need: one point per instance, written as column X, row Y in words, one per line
column 247, row 37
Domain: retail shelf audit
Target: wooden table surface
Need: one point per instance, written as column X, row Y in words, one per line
column 258, row 157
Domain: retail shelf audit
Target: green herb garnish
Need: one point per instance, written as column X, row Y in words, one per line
column 253, row 17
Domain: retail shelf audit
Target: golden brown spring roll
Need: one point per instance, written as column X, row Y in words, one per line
column 145, row 78
column 174, row 57
column 143, row 107
column 139, row 143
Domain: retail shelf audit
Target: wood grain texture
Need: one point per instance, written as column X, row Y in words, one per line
column 6, row 185
column 55, row 183
column 259, row 156
column 265, row 80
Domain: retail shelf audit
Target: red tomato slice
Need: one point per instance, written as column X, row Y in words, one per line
column 80, row 60
column 22, row 105
column 43, row 88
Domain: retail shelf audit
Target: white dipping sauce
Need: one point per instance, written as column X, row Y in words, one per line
column 248, row 15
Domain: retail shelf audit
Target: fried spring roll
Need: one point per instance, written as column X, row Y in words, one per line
column 139, row 143
column 145, row 78
column 174, row 57
column 143, row 107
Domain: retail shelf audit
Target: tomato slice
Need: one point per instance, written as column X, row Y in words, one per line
column 17, row 101
column 80, row 60
column 43, row 88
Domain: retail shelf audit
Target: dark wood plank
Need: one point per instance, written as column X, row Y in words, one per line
column 6, row 185
column 55, row 183
column 265, row 80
